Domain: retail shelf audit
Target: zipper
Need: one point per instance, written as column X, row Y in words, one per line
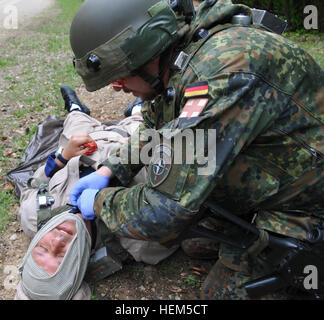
column 315, row 153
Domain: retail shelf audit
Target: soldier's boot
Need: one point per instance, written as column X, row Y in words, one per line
column 72, row 102
column 136, row 106
column 201, row 247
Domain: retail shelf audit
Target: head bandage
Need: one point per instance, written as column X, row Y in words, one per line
column 84, row 292
column 37, row 284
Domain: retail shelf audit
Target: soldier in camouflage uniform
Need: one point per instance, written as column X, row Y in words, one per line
column 262, row 94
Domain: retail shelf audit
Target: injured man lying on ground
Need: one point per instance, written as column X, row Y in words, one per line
column 67, row 252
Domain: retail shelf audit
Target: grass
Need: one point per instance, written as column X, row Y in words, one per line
column 7, row 61
column 7, row 199
column 49, row 58
column 191, row 281
column 34, row 63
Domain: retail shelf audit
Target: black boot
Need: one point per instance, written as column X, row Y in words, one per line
column 129, row 108
column 70, row 98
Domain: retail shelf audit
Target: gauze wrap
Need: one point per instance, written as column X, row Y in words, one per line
column 37, row 284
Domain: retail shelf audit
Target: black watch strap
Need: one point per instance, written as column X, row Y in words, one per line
column 60, row 157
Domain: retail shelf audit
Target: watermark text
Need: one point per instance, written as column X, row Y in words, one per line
column 193, row 147
column 311, row 20
column 10, row 20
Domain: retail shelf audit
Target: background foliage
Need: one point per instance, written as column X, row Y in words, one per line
column 290, row 10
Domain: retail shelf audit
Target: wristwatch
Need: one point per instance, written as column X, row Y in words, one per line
column 58, row 155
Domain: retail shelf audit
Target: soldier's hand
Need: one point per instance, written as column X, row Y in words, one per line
column 75, row 145
column 91, row 181
column 86, row 202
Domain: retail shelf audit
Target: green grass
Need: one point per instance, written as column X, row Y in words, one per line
column 191, row 281
column 33, row 65
column 7, row 61
column 42, row 57
column 7, row 199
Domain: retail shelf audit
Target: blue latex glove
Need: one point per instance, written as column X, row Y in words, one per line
column 91, row 181
column 85, row 203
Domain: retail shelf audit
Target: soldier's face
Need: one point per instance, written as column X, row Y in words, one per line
column 138, row 86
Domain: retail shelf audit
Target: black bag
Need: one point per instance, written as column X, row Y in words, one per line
column 44, row 143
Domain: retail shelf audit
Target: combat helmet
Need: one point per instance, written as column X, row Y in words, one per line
column 113, row 39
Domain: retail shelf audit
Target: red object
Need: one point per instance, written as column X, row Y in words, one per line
column 92, row 146
column 118, row 83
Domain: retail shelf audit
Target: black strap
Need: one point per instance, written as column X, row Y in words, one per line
column 93, row 225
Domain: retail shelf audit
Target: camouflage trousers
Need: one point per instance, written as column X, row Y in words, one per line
column 232, row 269
column 200, row 248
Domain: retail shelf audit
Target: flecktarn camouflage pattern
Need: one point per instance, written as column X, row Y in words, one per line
column 266, row 103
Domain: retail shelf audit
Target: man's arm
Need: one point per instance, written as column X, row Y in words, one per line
column 119, row 164
column 73, row 148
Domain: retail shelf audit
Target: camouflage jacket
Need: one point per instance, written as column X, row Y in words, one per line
column 265, row 101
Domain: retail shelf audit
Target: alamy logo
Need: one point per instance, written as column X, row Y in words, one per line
column 197, row 147
column 11, row 17
column 311, row 280
column 311, row 20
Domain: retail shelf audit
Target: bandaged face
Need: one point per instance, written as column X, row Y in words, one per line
column 52, row 247
column 57, row 258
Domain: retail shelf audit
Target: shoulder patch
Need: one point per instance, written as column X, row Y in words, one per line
column 193, row 108
column 160, row 165
column 196, row 89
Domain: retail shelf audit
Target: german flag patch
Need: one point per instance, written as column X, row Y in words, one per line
column 196, row 89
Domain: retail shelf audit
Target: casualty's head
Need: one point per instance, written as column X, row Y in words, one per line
column 116, row 40
column 56, row 261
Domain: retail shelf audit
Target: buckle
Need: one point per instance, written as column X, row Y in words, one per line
column 181, row 61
